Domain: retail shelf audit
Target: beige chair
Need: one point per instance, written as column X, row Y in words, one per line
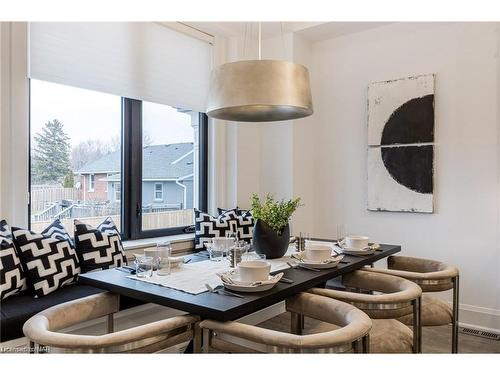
column 41, row 329
column 431, row 276
column 350, row 331
column 383, row 298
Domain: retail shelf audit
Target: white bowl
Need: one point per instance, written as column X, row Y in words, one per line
column 356, row 242
column 254, row 270
column 318, row 252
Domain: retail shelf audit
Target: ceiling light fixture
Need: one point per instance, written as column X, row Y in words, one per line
column 259, row 90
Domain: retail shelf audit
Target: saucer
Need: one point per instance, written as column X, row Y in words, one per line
column 231, row 280
column 366, row 251
column 325, row 264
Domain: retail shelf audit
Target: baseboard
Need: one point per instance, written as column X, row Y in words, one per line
column 478, row 317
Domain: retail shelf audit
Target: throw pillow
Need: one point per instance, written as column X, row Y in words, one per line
column 12, row 279
column 99, row 248
column 208, row 227
column 57, row 230
column 229, row 221
column 50, row 261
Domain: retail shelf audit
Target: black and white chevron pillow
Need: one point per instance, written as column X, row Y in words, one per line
column 99, row 248
column 50, row 262
column 239, row 220
column 12, row 280
column 57, row 230
column 208, row 227
column 228, row 221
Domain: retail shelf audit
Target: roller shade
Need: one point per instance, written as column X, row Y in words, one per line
column 145, row 61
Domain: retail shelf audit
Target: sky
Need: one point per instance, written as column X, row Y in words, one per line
column 93, row 115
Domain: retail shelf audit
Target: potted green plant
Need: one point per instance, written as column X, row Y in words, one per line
column 271, row 233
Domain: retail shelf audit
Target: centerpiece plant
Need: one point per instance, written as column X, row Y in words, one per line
column 271, row 233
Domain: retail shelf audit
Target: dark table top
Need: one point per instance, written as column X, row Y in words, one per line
column 221, row 307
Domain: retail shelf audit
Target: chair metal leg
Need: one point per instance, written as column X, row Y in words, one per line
column 207, row 335
column 417, row 326
column 197, row 338
column 365, row 343
column 31, row 346
column 454, row 338
column 296, row 323
column 110, row 324
column 357, row 346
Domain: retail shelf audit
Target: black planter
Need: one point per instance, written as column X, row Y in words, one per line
column 266, row 240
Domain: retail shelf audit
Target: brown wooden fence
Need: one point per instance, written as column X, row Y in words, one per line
column 40, row 195
column 168, row 219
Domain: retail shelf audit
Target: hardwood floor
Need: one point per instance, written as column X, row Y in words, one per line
column 434, row 339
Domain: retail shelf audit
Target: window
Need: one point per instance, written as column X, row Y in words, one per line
column 91, row 182
column 95, row 155
column 158, row 191
column 75, row 144
column 118, row 192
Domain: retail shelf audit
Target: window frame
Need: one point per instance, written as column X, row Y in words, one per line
column 132, row 148
column 131, row 172
column 155, row 198
column 114, row 191
column 91, row 187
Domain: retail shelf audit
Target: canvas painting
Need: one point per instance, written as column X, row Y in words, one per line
column 400, row 160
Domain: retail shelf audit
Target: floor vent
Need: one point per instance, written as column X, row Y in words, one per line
column 480, row 333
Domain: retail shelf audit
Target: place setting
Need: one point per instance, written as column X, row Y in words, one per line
column 354, row 244
column 317, row 257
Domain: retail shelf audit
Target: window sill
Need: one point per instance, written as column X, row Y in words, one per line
column 181, row 244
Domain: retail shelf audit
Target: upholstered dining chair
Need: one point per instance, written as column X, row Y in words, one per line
column 41, row 329
column 351, row 328
column 431, row 276
column 383, row 298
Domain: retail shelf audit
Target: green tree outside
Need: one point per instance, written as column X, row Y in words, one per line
column 51, row 156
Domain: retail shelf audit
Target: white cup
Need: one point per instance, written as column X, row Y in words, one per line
column 356, row 242
column 254, row 270
column 318, row 252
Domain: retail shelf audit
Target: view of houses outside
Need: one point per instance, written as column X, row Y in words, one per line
column 76, row 159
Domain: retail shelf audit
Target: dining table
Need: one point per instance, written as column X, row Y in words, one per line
column 224, row 307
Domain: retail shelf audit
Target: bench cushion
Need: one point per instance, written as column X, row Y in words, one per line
column 15, row 311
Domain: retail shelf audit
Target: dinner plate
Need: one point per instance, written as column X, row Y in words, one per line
column 366, row 251
column 240, row 286
column 321, row 265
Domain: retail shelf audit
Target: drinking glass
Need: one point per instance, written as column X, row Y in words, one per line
column 254, row 256
column 144, row 266
column 164, row 253
column 216, row 254
column 340, row 233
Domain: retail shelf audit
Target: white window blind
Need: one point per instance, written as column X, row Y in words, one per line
column 139, row 60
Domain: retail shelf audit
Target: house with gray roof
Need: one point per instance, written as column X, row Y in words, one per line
column 167, row 177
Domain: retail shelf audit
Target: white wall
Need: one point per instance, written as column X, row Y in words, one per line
column 14, row 115
column 464, row 230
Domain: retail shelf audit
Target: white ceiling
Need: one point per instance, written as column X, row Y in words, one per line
column 313, row 31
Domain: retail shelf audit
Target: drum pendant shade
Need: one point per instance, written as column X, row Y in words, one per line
column 259, row 91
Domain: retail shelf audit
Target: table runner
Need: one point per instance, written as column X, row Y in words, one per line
column 192, row 277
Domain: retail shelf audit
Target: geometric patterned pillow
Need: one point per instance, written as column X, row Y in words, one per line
column 50, row 262
column 12, row 280
column 99, row 248
column 207, row 226
column 57, row 230
column 221, row 211
column 243, row 221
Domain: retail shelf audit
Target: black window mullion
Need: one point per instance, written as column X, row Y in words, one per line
column 203, row 163
column 132, row 168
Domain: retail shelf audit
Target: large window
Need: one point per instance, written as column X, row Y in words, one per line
column 75, row 144
column 95, row 155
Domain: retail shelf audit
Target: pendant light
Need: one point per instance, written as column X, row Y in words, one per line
column 259, row 90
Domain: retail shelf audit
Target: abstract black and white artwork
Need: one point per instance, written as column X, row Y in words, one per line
column 401, row 144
